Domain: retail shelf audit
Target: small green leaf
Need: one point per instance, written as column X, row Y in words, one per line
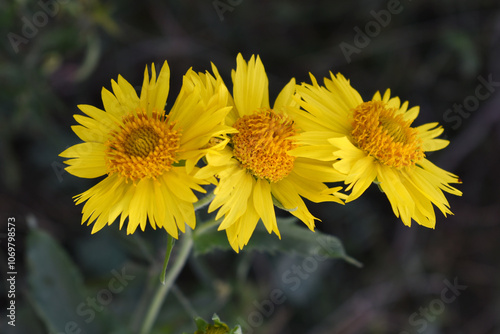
column 201, row 324
column 218, row 327
column 378, row 185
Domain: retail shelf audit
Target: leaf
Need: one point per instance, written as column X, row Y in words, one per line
column 201, row 324
column 295, row 239
column 204, row 327
column 207, row 239
column 56, row 286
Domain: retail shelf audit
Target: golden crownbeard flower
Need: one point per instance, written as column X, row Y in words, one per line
column 148, row 157
column 255, row 166
column 374, row 142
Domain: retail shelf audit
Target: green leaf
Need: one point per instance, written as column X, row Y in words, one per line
column 298, row 239
column 206, row 238
column 56, row 287
column 295, row 239
column 218, row 327
column 201, row 324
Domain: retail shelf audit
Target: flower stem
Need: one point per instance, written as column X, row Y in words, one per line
column 204, row 201
column 202, row 228
column 170, row 245
column 163, row 289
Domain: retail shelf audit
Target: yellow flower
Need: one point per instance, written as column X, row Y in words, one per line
column 148, row 157
column 374, row 142
column 255, row 166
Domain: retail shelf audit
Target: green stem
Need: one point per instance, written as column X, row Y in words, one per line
column 168, row 279
column 206, row 226
column 203, row 201
column 170, row 246
column 163, row 289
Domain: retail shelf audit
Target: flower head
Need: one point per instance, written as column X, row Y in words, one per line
column 374, row 141
column 148, row 157
column 255, row 167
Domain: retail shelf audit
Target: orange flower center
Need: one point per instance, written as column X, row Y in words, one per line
column 385, row 135
column 262, row 143
column 144, row 146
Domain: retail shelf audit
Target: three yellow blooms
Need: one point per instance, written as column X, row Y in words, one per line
column 253, row 153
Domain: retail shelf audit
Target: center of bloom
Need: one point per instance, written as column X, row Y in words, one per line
column 262, row 143
column 144, row 146
column 385, row 135
column 140, row 142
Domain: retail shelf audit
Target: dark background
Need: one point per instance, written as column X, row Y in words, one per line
column 432, row 53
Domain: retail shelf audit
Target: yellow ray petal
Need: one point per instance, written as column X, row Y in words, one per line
column 285, row 97
column 250, row 86
column 287, row 195
column 240, row 190
column 360, row 177
column 263, row 204
column 247, row 224
column 112, row 105
column 399, row 197
column 313, row 191
column 128, row 91
column 162, row 88
column 127, row 101
column 89, row 160
column 318, row 171
column 139, row 204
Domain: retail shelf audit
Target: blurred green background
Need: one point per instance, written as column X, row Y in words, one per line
column 58, row 54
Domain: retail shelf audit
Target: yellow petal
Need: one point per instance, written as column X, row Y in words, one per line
column 286, row 193
column 139, row 204
column 112, row 105
column 88, row 162
column 313, row 191
column 127, row 102
column 246, row 225
column 318, row 171
column 387, row 96
column 162, row 87
column 434, row 144
column 394, row 103
column 176, row 186
column 108, row 120
column 90, row 135
column 250, row 86
column 360, row 177
column 411, row 114
column 128, row 91
column 285, row 97
column 238, row 190
column 399, row 197
column 318, row 152
column 263, row 204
